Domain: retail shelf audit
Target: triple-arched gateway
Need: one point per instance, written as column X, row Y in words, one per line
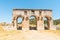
column 39, row 15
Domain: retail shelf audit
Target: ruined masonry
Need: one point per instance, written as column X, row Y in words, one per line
column 25, row 14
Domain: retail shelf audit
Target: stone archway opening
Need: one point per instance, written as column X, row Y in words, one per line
column 38, row 14
column 32, row 23
column 46, row 23
column 19, row 23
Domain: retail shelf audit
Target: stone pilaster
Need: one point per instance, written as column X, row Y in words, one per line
column 40, row 24
column 25, row 24
column 15, row 24
column 51, row 25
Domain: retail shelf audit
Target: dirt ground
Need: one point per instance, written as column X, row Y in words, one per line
column 29, row 35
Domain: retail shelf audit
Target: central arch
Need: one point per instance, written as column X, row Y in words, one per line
column 32, row 23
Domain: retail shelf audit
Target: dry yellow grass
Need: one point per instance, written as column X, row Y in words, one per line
column 58, row 25
column 29, row 35
column 1, row 29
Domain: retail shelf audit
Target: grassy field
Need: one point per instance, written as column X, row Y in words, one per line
column 29, row 34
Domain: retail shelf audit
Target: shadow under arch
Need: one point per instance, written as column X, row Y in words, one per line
column 47, row 22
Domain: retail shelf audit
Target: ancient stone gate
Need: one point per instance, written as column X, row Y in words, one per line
column 40, row 14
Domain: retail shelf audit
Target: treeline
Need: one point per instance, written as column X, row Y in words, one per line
column 33, row 22
column 56, row 22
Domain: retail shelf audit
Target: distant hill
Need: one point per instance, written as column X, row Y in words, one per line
column 56, row 22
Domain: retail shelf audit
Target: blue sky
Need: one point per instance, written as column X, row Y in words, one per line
column 6, row 7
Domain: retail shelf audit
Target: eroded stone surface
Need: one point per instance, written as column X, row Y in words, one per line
column 40, row 14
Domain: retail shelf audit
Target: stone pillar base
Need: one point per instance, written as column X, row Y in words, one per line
column 53, row 28
column 40, row 28
column 15, row 28
column 25, row 28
